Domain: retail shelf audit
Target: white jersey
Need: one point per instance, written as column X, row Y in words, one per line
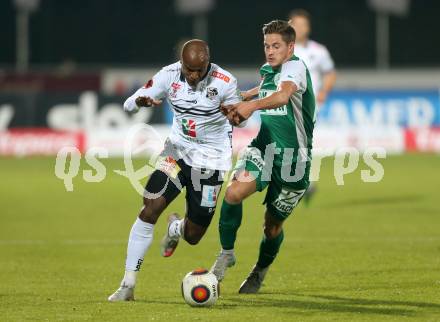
column 201, row 134
column 318, row 61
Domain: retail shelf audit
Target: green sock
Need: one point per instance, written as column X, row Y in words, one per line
column 230, row 221
column 269, row 249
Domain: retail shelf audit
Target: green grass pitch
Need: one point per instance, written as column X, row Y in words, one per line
column 358, row 252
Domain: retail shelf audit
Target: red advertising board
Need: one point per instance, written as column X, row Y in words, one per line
column 38, row 141
column 423, row 139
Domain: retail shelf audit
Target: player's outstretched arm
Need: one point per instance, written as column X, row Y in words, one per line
column 243, row 110
column 143, row 97
column 135, row 102
column 150, row 94
column 231, row 114
column 249, row 94
column 279, row 98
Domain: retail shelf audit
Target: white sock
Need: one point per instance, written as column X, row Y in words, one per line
column 129, row 278
column 228, row 251
column 176, row 228
column 141, row 236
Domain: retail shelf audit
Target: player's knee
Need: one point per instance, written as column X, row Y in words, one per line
column 192, row 238
column 151, row 211
column 233, row 196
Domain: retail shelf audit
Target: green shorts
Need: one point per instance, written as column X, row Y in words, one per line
column 282, row 195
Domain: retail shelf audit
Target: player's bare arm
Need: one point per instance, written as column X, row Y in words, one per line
column 328, row 82
column 245, row 109
column 250, row 94
column 231, row 114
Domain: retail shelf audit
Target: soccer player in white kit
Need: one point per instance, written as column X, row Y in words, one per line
column 315, row 55
column 319, row 62
column 197, row 153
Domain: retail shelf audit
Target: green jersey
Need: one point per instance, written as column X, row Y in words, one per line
column 279, row 158
column 289, row 126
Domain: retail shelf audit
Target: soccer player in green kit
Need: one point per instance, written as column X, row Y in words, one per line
column 278, row 158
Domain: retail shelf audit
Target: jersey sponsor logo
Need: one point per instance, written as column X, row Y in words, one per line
column 195, row 140
column 138, row 265
column 282, row 110
column 174, row 89
column 287, row 199
column 253, row 155
column 148, row 84
column 168, row 166
column 189, row 128
column 175, row 86
column 211, row 92
column 265, row 93
column 256, row 160
column 209, row 196
column 220, row 76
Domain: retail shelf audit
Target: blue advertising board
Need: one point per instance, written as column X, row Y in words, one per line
column 382, row 108
column 402, row 108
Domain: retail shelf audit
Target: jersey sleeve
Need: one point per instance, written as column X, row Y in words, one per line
column 294, row 71
column 231, row 93
column 155, row 88
column 326, row 61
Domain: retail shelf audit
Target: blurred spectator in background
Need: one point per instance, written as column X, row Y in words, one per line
column 66, row 68
column 315, row 55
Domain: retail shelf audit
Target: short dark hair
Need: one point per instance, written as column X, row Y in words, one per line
column 282, row 28
column 300, row 13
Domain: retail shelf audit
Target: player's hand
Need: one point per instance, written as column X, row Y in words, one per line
column 230, row 111
column 244, row 110
column 246, row 96
column 147, row 101
column 227, row 109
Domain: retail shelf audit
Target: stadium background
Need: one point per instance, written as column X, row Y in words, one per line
column 103, row 50
column 85, row 57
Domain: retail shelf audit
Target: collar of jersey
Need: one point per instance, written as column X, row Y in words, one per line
column 270, row 70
